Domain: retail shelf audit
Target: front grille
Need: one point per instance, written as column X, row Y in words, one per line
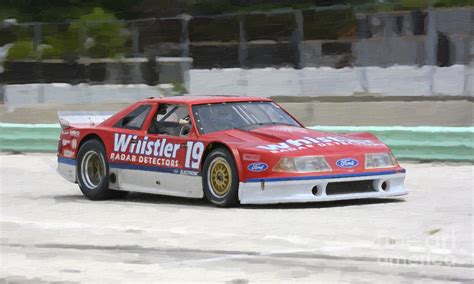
column 348, row 187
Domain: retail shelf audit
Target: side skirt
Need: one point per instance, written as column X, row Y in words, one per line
column 157, row 183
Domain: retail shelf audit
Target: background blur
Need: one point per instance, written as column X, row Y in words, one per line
column 352, row 65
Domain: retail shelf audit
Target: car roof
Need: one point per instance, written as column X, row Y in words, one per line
column 196, row 100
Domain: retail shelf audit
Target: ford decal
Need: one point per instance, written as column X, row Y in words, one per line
column 347, row 163
column 257, row 167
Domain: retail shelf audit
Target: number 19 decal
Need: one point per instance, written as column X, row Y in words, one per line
column 193, row 154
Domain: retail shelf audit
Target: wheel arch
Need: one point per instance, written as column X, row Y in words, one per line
column 90, row 136
column 233, row 151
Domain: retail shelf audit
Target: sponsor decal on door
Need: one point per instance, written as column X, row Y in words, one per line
column 161, row 152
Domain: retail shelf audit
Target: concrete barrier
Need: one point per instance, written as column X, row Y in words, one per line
column 456, row 80
column 407, row 143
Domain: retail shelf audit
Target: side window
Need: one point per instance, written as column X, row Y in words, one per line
column 275, row 113
column 171, row 119
column 135, row 119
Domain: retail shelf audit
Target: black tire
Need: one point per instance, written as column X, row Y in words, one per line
column 231, row 196
column 98, row 190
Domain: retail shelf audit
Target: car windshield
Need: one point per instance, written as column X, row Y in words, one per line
column 239, row 115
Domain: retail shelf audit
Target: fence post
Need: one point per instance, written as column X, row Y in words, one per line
column 2, row 91
column 37, row 37
column 431, row 39
column 243, row 51
column 184, row 18
column 298, row 37
column 431, row 46
column 82, row 39
column 135, row 40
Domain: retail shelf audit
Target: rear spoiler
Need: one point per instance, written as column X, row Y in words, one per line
column 82, row 118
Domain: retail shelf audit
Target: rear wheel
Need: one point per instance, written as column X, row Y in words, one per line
column 220, row 178
column 93, row 172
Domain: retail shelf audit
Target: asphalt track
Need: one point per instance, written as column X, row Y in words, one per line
column 49, row 232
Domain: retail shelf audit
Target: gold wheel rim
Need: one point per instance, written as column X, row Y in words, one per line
column 220, row 177
column 93, row 169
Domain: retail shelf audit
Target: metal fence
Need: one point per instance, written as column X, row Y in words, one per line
column 333, row 36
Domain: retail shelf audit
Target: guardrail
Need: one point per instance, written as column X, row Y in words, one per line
column 408, row 143
column 420, row 143
column 29, row 137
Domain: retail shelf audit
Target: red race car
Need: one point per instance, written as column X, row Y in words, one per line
column 228, row 149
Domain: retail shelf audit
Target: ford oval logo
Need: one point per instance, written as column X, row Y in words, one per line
column 257, row 167
column 347, row 163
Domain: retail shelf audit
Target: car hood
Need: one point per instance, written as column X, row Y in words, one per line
column 299, row 141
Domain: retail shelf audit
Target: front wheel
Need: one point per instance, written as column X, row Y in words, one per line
column 93, row 172
column 220, row 178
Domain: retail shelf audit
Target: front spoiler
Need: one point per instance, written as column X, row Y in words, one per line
column 302, row 190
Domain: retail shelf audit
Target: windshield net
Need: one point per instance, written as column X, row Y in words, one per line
column 239, row 115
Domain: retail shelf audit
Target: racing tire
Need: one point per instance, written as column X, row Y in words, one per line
column 220, row 179
column 93, row 172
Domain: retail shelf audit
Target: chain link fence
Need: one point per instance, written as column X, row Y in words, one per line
column 335, row 36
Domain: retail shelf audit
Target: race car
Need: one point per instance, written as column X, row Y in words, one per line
column 229, row 150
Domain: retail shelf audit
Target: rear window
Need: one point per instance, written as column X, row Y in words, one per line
column 134, row 119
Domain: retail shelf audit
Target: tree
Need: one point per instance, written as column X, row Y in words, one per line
column 97, row 34
column 100, row 34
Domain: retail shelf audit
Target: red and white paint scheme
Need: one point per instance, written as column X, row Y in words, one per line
column 228, row 149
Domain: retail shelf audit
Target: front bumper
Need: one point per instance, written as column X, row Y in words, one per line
column 287, row 191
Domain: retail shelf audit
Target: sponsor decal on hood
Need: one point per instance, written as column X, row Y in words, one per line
column 310, row 142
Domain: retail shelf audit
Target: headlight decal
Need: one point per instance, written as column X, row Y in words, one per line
column 306, row 164
column 379, row 160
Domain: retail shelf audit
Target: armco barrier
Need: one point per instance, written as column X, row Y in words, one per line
column 420, row 143
column 29, row 137
column 407, row 143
